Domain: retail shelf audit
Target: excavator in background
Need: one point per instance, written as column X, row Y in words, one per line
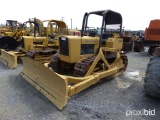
column 80, row 62
column 151, row 38
column 40, row 43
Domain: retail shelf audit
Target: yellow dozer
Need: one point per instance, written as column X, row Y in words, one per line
column 40, row 43
column 80, row 62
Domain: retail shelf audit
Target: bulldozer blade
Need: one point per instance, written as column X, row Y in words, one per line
column 8, row 58
column 52, row 85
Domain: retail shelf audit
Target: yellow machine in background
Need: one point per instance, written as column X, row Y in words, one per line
column 15, row 27
column 10, row 35
column 80, row 62
column 10, row 26
column 40, row 44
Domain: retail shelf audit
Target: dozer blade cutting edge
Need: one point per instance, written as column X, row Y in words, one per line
column 53, row 86
column 56, row 87
column 8, row 58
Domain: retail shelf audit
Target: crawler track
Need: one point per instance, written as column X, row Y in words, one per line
column 81, row 67
column 125, row 60
column 34, row 54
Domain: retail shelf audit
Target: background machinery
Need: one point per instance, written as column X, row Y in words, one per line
column 80, row 62
column 40, row 42
column 127, row 41
column 10, row 35
column 151, row 38
column 8, row 27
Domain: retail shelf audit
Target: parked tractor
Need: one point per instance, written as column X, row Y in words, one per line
column 80, row 62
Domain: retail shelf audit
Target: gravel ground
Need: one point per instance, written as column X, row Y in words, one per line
column 120, row 98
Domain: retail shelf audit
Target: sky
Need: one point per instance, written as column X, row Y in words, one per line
column 136, row 14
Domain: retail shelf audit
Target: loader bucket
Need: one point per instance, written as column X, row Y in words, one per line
column 52, row 85
column 8, row 58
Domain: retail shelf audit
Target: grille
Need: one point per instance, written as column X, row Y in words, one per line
column 87, row 49
column 63, row 42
